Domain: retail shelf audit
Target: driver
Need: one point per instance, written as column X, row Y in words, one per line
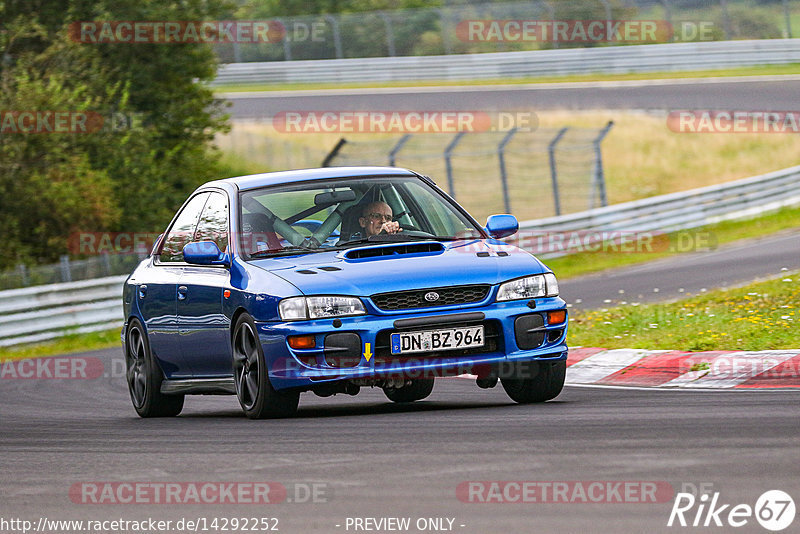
column 377, row 218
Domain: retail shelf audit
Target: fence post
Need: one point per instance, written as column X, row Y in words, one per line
column 333, row 153
column 105, row 261
column 599, row 178
column 551, row 154
column 788, row 18
column 444, row 27
column 726, row 20
column 389, row 33
column 287, row 46
column 237, row 53
column 501, row 157
column 23, row 274
column 668, row 14
column 448, row 164
column 337, row 37
column 551, row 10
column 607, row 8
column 66, row 274
column 397, row 147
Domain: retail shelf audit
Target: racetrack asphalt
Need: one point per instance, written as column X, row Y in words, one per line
column 376, row 459
column 753, row 93
column 688, row 273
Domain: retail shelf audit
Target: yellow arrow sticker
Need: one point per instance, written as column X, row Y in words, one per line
column 367, row 351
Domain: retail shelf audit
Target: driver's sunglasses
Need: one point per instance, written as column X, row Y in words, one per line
column 380, row 217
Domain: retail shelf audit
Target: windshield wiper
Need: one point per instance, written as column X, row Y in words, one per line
column 292, row 249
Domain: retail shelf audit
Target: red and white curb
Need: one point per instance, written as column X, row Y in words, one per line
column 677, row 369
column 672, row 369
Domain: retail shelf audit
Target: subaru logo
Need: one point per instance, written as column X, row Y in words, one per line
column 432, row 296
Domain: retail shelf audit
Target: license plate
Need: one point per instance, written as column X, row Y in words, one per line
column 437, row 340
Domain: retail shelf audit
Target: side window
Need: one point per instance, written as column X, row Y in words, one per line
column 213, row 225
column 183, row 229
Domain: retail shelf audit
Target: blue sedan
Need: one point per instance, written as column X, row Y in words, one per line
column 330, row 280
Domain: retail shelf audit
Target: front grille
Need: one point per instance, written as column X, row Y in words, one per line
column 491, row 335
column 448, row 296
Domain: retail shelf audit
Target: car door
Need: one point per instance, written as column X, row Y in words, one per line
column 204, row 328
column 157, row 293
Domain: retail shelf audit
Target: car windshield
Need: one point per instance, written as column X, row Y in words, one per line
column 344, row 212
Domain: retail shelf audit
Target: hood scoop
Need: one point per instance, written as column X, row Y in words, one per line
column 394, row 250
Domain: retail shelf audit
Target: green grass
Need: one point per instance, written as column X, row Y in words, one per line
column 762, row 70
column 232, row 165
column 721, row 233
column 760, row 316
column 72, row 343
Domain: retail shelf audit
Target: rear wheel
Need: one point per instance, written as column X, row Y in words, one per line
column 545, row 385
column 258, row 398
column 417, row 390
column 144, row 377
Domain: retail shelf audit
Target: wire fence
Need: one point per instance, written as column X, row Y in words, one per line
column 483, row 27
column 541, row 173
column 70, row 270
column 533, row 174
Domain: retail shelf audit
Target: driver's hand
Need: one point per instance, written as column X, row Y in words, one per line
column 391, row 227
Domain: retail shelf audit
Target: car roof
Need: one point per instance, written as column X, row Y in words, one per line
column 255, row 181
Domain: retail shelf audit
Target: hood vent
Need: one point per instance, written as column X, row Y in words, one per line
column 394, row 250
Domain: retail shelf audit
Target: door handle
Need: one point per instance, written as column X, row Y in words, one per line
column 182, row 292
column 142, row 291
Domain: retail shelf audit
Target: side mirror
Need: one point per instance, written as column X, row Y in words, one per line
column 503, row 225
column 204, row 253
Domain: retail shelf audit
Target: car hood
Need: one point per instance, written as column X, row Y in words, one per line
column 367, row 270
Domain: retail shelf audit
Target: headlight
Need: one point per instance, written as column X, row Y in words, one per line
column 540, row 285
column 552, row 284
column 319, row 307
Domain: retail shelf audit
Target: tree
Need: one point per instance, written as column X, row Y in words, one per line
column 129, row 177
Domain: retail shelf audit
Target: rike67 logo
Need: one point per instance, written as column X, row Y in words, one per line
column 774, row 510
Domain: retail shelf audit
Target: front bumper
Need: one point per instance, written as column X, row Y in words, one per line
column 303, row 368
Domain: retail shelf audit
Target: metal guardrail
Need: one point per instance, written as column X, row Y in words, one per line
column 442, row 29
column 70, row 270
column 44, row 312
column 614, row 60
column 683, row 210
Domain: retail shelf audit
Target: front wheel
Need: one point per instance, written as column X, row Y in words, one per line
column 258, row 398
column 144, row 377
column 545, row 385
column 417, row 390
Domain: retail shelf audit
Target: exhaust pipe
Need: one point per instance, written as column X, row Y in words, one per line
column 487, row 383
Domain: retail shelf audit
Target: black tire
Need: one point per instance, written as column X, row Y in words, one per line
column 144, row 377
column 417, row 390
column 258, row 398
column 545, row 385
